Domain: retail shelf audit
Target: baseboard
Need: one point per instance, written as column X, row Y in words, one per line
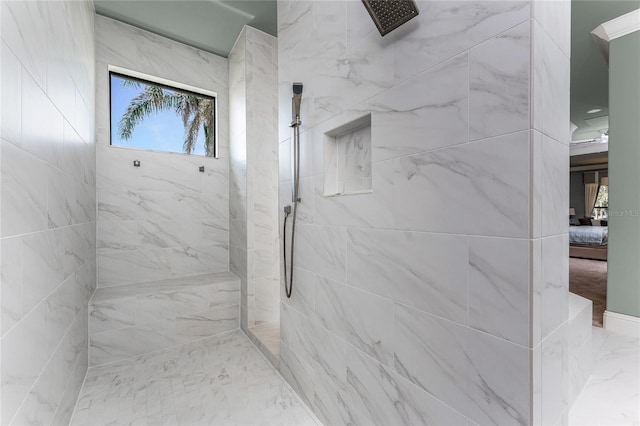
column 621, row 323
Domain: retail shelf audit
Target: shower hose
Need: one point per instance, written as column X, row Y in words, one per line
column 288, row 277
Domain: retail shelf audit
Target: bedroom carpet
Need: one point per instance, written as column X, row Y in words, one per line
column 588, row 278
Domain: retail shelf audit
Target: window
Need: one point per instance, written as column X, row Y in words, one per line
column 148, row 115
column 601, row 207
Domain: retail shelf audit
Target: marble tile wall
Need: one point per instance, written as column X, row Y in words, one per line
column 253, row 203
column 441, row 296
column 164, row 219
column 48, row 206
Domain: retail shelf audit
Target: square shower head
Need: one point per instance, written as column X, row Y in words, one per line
column 390, row 14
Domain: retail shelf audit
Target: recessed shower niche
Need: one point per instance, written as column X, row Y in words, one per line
column 347, row 158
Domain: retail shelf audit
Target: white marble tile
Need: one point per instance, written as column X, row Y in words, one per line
column 555, row 187
column 61, row 198
column 209, row 323
column 24, row 192
column 42, row 266
column 284, row 161
column 48, row 317
column 74, row 151
column 553, row 285
column 118, row 234
column 362, row 210
column 326, row 353
column 11, row 101
column 446, row 28
column 553, row 16
column 580, row 369
column 11, row 276
column 173, row 311
column 68, row 398
column 551, row 82
column 459, row 365
column 154, row 308
column 443, row 191
column 580, row 328
column 428, row 271
column 180, row 215
column 320, row 374
column 112, row 314
column 361, row 318
column 79, row 245
column 491, row 181
column 204, row 259
column 45, row 140
column 45, row 398
column 30, row 47
column 430, row 353
column 117, row 267
column 426, row 112
column 266, row 337
column 218, row 380
column 171, row 233
column 297, row 374
column 321, row 249
column 499, row 287
column 554, row 375
column 612, row 392
column 378, row 395
column 499, row 83
column 114, row 345
column 24, row 354
column 303, row 298
column 115, row 167
column 64, row 304
column 354, row 161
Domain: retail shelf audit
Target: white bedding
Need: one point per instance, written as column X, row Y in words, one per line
column 590, row 235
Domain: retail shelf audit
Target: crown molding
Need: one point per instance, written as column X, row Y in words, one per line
column 615, row 28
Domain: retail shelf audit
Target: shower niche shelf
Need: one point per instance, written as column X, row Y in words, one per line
column 347, row 158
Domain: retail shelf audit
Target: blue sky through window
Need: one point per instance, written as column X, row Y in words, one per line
column 160, row 131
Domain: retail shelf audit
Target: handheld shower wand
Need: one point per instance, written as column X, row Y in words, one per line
column 296, row 101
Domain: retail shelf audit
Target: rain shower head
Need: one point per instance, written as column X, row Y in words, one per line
column 390, row 14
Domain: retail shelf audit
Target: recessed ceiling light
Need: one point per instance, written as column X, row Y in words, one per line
column 593, row 111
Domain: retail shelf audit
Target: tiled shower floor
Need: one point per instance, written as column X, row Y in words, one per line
column 221, row 380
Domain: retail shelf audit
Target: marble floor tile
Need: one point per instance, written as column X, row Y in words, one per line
column 611, row 394
column 220, row 380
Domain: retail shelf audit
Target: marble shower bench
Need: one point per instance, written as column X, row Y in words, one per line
column 134, row 319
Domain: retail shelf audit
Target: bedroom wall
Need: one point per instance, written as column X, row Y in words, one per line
column 441, row 296
column 623, row 281
column 164, row 219
column 48, row 260
column 576, row 193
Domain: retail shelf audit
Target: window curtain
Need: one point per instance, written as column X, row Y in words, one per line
column 590, row 193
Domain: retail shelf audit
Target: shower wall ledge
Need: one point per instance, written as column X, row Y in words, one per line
column 131, row 320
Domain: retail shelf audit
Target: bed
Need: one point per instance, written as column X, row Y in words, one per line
column 588, row 242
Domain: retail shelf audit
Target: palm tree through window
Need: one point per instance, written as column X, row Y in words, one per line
column 147, row 115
